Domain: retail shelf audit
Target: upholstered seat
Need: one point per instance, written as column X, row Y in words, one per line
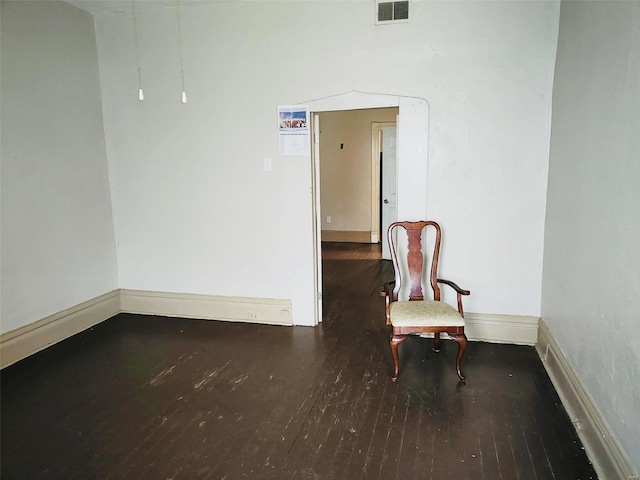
column 427, row 313
column 417, row 315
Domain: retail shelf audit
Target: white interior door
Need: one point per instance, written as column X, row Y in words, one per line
column 317, row 221
column 389, row 185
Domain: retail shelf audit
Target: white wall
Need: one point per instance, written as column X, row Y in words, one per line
column 345, row 173
column 195, row 212
column 58, row 246
column 591, row 283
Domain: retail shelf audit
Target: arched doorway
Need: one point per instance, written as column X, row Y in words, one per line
column 412, row 161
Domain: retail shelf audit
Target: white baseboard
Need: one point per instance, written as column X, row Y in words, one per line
column 345, row 236
column 494, row 328
column 235, row 309
column 24, row 341
column 608, row 458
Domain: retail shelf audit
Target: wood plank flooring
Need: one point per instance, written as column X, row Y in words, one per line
column 141, row 397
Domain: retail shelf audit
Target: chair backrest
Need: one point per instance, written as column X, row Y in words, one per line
column 414, row 258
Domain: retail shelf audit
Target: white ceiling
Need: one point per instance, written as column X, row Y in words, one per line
column 96, row 7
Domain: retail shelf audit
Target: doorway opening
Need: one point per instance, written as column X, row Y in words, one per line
column 411, row 147
column 350, row 173
column 356, row 168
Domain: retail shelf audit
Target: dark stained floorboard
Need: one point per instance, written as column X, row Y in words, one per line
column 141, row 397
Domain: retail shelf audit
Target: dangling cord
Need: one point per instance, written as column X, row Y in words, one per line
column 135, row 32
column 184, row 93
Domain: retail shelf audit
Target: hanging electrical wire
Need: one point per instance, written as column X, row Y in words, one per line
column 184, row 93
column 135, row 32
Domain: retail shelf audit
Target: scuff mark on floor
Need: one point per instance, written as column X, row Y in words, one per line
column 238, row 381
column 210, row 376
column 161, row 377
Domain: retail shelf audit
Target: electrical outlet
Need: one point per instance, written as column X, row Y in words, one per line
column 267, row 164
column 328, row 219
column 253, row 316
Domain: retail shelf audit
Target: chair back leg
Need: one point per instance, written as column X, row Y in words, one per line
column 436, row 342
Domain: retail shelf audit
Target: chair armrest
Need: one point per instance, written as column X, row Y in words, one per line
column 454, row 286
column 389, row 296
column 387, row 289
column 458, row 290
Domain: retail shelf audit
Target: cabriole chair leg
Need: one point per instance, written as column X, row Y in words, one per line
column 461, row 338
column 395, row 342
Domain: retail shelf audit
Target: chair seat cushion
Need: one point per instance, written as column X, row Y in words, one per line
column 426, row 313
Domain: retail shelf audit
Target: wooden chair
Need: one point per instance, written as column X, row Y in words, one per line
column 417, row 315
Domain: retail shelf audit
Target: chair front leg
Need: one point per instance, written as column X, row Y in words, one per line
column 436, row 342
column 461, row 338
column 395, row 342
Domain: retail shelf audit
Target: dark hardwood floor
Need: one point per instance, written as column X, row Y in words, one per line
column 156, row 398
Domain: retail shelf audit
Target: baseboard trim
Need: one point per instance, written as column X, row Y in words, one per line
column 346, row 236
column 24, row 341
column 20, row 343
column 496, row 328
column 604, row 451
column 211, row 307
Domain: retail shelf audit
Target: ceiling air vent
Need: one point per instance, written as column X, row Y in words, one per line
column 392, row 12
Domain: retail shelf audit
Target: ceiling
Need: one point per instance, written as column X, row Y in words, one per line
column 96, row 7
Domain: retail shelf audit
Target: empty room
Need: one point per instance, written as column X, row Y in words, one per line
column 195, row 197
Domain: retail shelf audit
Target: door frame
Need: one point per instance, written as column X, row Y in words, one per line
column 317, row 219
column 412, row 160
column 376, row 174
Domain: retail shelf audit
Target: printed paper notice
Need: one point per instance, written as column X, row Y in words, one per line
column 293, row 128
